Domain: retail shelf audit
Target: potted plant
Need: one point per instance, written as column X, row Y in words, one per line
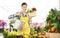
column 32, row 12
column 2, row 23
column 35, row 34
column 53, row 21
column 12, row 34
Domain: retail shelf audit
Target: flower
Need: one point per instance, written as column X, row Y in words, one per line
column 34, row 9
column 6, row 30
column 12, row 33
column 2, row 23
column 31, row 10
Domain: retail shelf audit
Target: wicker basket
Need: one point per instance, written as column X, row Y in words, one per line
column 53, row 35
column 33, row 14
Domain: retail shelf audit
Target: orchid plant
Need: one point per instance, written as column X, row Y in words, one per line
column 2, row 24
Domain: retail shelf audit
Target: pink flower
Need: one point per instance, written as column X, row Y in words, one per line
column 2, row 23
column 34, row 24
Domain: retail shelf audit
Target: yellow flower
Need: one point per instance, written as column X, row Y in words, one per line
column 34, row 34
column 12, row 33
column 19, row 32
column 26, row 36
column 5, row 30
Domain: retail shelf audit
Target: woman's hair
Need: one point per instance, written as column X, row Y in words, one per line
column 23, row 4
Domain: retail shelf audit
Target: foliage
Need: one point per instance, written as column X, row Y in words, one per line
column 54, row 19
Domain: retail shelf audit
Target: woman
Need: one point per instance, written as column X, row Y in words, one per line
column 24, row 18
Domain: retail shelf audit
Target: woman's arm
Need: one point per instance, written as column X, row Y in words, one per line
column 14, row 15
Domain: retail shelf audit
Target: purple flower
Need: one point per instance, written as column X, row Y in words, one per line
column 20, row 36
column 2, row 23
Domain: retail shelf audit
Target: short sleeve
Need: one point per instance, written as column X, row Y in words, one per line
column 20, row 14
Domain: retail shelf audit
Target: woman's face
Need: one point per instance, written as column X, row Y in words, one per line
column 24, row 7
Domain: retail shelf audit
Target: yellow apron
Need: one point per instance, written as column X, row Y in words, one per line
column 26, row 24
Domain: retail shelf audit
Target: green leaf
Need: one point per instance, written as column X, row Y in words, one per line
column 55, row 25
column 32, row 30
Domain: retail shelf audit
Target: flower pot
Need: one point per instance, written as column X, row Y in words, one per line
column 5, row 34
column 32, row 14
column 11, row 36
column 1, row 29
